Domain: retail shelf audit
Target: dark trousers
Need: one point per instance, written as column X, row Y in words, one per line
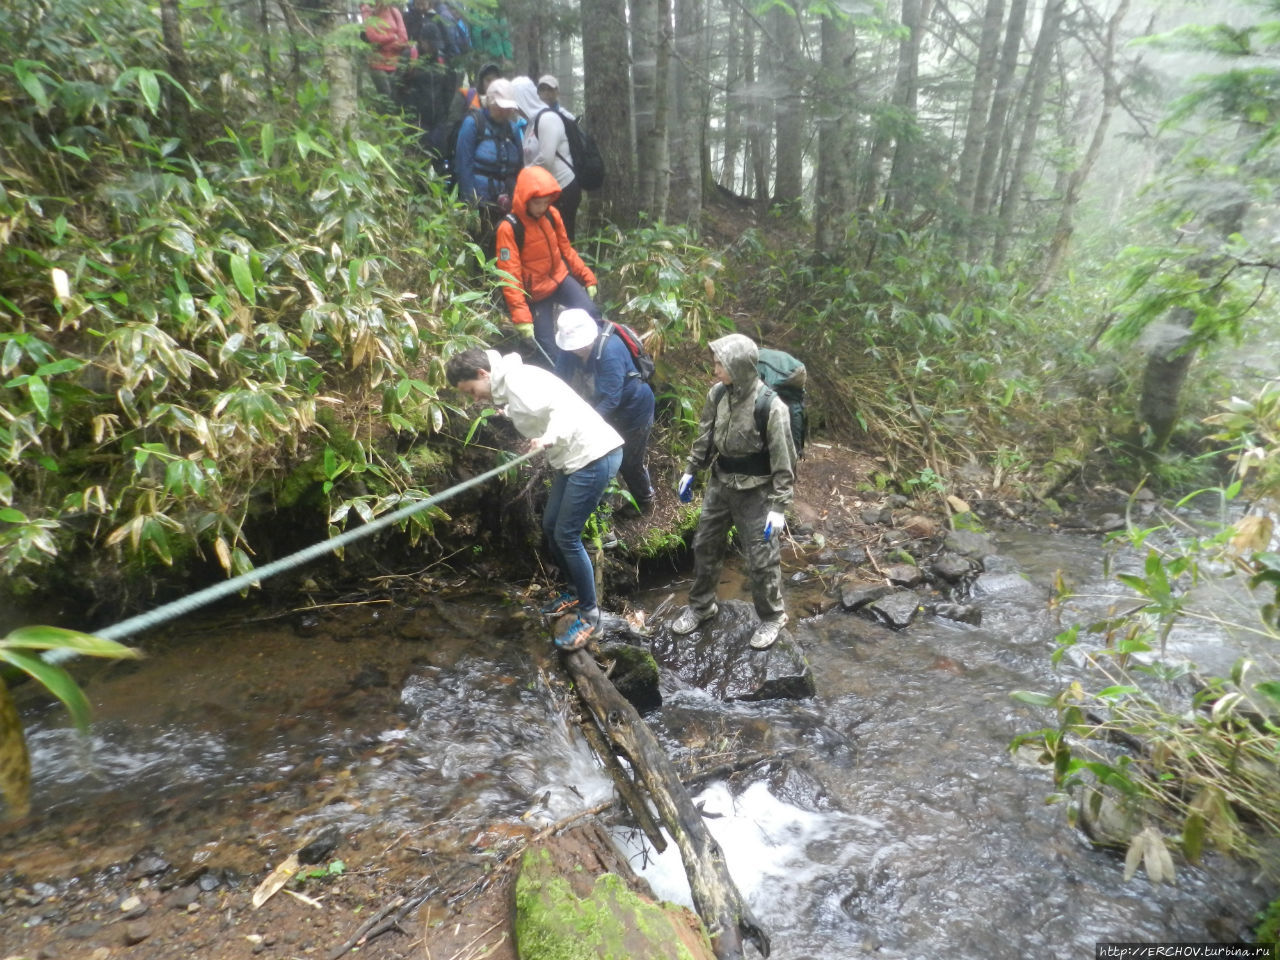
column 633, row 471
column 567, row 203
column 568, row 295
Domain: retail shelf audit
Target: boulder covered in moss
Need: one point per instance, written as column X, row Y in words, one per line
column 566, row 909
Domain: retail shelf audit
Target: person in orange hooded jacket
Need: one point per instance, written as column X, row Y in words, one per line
column 546, row 271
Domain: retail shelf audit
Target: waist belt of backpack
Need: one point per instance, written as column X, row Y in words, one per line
column 755, row 464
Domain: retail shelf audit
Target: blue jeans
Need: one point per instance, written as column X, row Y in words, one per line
column 573, row 497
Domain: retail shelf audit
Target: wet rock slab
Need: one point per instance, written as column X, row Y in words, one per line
column 718, row 658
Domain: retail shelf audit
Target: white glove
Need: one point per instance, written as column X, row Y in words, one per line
column 775, row 521
column 684, row 490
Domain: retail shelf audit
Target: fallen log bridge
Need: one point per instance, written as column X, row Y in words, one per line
column 715, row 896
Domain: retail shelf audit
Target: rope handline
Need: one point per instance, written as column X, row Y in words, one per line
column 200, row 598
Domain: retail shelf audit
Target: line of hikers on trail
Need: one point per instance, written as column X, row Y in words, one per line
column 480, row 134
column 584, row 396
column 593, row 421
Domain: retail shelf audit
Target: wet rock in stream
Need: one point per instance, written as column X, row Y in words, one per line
column 897, row 610
column 718, row 658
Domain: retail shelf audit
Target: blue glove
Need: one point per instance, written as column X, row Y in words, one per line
column 775, row 521
column 685, row 489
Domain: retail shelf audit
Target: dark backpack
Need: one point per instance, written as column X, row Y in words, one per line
column 457, row 36
column 784, row 377
column 640, row 359
column 584, row 153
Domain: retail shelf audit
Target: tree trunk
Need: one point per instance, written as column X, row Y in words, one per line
column 175, row 53
column 997, row 125
column 1071, row 198
column 732, row 108
column 1038, row 78
column 837, row 144
column 788, row 103
column 646, row 38
column 1169, row 361
column 901, row 190
column 264, row 28
column 607, row 84
column 340, row 69
column 685, row 193
column 564, row 72
column 757, row 111
column 1166, row 371
column 526, row 38
column 975, row 134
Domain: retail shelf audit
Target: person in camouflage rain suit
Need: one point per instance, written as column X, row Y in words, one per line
column 750, row 487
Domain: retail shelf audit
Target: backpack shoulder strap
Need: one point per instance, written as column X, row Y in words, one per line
column 764, row 400
column 538, row 133
column 602, row 341
column 517, row 229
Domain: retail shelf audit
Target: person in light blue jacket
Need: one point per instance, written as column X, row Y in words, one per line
column 489, row 155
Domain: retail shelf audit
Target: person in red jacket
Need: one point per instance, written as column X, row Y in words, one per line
column 546, row 272
column 384, row 28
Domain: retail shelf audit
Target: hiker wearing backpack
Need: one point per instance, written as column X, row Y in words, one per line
column 547, row 145
column 549, row 92
column 583, row 451
column 750, row 487
column 597, row 363
column 546, row 273
column 436, row 79
column 488, row 155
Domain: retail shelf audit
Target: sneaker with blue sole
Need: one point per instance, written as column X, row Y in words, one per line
column 579, row 633
column 563, row 603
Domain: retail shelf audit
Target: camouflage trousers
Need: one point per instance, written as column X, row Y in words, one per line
column 723, row 508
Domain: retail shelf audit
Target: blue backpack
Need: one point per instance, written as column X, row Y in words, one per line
column 457, row 35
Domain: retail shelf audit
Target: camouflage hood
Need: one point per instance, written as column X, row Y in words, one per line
column 738, row 355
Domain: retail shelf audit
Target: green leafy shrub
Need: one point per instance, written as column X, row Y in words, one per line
column 186, row 319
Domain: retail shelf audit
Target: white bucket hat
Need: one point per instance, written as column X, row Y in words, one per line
column 575, row 329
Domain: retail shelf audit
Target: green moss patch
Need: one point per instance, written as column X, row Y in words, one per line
column 611, row 923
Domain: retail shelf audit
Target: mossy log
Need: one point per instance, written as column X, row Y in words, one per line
column 715, row 896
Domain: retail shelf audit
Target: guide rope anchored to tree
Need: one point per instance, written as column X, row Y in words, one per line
column 200, row 598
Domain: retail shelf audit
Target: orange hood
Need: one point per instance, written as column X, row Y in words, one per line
column 533, row 182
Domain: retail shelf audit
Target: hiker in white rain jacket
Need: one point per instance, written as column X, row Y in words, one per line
column 583, row 450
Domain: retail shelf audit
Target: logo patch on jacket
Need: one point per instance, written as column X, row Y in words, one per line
column 504, row 253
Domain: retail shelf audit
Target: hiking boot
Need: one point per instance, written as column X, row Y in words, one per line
column 690, row 619
column 564, row 603
column 629, row 511
column 767, row 633
column 579, row 633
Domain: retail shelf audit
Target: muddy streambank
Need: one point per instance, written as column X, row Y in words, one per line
column 418, row 746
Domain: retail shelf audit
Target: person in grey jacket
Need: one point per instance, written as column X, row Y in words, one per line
column 750, row 486
column 581, row 448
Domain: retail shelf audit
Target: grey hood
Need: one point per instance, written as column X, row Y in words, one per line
column 738, row 355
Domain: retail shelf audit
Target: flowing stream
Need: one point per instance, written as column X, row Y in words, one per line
column 898, row 823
